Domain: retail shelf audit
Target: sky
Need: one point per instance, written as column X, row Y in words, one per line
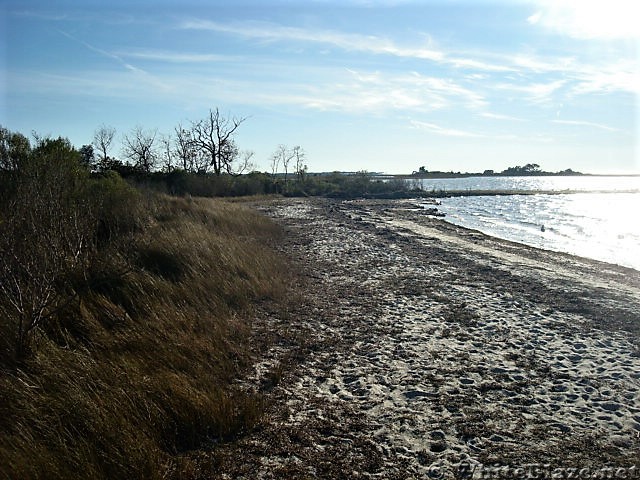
column 376, row 85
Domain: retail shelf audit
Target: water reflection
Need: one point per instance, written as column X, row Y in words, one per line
column 594, row 225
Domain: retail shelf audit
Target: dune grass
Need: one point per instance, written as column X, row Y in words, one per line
column 138, row 368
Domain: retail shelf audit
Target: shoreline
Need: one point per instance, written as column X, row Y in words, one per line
column 416, row 345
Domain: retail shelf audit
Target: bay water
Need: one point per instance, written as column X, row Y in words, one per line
column 590, row 216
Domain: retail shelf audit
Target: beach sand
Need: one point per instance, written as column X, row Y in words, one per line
column 418, row 349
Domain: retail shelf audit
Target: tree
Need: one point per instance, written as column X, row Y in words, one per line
column 14, row 149
column 244, row 163
column 167, row 153
column 186, row 150
column 102, row 140
column 301, row 168
column 140, row 148
column 283, row 155
column 87, row 156
column 214, row 138
column 275, row 163
column 528, row 169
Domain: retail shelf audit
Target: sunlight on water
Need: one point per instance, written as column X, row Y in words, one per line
column 601, row 226
column 555, row 184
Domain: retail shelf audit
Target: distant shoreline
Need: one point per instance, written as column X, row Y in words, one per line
column 442, row 193
column 442, row 175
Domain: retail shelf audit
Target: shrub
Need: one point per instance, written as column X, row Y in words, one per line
column 47, row 236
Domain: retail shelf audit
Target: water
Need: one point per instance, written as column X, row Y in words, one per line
column 593, row 224
column 549, row 184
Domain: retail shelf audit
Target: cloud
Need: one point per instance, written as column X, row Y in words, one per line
column 498, row 116
column 140, row 74
column 521, row 65
column 535, row 18
column 104, row 53
column 474, row 64
column 447, row 87
column 581, row 123
column 346, row 41
column 589, row 19
column 535, row 92
column 622, row 76
column 373, row 44
column 447, row 132
column 53, row 17
column 176, row 57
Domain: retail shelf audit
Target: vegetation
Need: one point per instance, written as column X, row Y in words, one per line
column 124, row 318
column 203, row 159
column 530, row 169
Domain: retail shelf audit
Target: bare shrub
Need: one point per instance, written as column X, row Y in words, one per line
column 47, row 235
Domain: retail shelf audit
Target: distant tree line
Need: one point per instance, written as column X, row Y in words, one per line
column 201, row 158
column 530, row 169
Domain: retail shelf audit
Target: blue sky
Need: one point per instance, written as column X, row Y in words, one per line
column 383, row 86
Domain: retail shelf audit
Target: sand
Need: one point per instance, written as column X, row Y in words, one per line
column 418, row 349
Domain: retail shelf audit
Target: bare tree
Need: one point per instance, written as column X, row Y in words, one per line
column 46, row 236
column 185, row 148
column 140, row 147
column 245, row 164
column 301, row 168
column 102, row 140
column 275, row 163
column 213, row 136
column 283, row 155
column 167, row 153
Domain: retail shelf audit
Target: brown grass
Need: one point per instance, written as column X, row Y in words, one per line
column 138, row 370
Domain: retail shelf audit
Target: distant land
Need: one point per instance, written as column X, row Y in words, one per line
column 530, row 169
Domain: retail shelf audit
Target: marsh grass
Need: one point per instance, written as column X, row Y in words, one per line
column 138, row 369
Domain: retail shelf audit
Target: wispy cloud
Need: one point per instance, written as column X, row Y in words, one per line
column 622, row 76
column 581, row 123
column 610, row 77
column 476, row 64
column 346, row 41
column 372, row 44
column 448, row 132
column 176, row 57
column 499, row 116
column 104, row 53
column 408, row 91
column 536, row 64
column 140, row 73
column 467, row 97
column 534, row 92
column 55, row 17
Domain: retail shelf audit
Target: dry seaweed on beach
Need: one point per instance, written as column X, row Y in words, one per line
column 416, row 348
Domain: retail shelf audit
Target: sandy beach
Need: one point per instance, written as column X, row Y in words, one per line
column 418, row 349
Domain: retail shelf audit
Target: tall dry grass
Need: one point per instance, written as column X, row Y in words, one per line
column 139, row 367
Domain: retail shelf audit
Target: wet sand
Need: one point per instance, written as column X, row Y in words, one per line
column 418, row 349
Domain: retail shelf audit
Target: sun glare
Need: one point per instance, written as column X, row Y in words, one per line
column 612, row 19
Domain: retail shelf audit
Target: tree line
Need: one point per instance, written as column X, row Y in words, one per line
column 204, row 146
column 530, row 169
